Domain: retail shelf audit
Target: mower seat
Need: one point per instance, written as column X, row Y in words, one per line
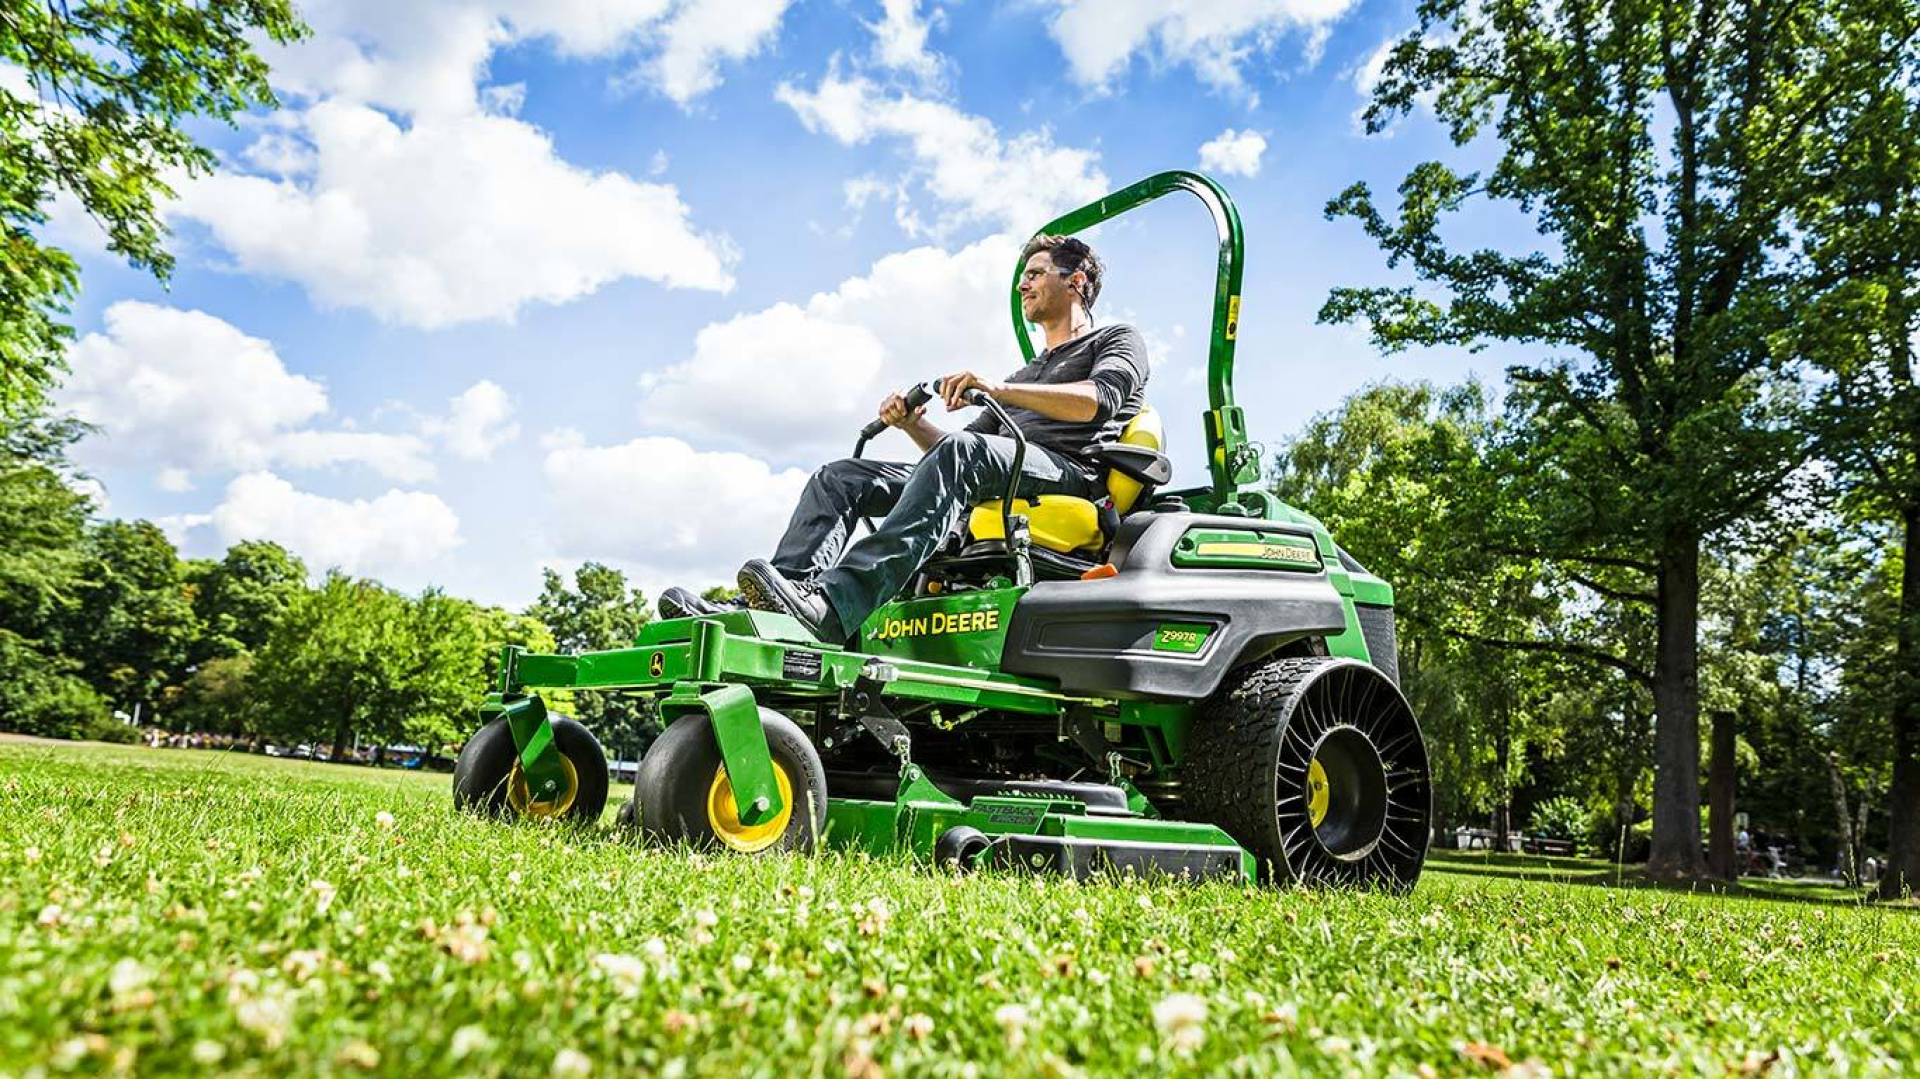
column 1080, row 527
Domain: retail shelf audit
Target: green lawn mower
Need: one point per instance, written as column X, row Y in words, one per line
column 1195, row 683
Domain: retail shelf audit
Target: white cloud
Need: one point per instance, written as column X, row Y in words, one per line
column 1233, row 153
column 900, row 40
column 449, row 220
column 429, row 57
column 478, row 420
column 1017, row 184
column 179, row 527
column 396, row 457
column 661, row 506
column 400, row 529
column 1213, row 37
column 913, row 316
column 702, row 33
column 182, row 392
column 400, row 180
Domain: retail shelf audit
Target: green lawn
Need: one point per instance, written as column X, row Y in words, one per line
column 183, row 912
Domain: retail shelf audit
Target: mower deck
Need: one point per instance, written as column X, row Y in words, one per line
column 716, row 665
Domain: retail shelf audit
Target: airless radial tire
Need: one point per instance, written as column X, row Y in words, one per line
column 1316, row 766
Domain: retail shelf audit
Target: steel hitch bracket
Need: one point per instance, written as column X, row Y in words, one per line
column 532, row 732
column 743, row 743
column 863, row 702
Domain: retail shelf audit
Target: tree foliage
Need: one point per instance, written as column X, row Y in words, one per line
column 109, row 87
column 1661, row 149
column 240, row 597
column 1859, row 301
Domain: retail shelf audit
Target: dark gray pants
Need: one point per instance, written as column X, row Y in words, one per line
column 921, row 503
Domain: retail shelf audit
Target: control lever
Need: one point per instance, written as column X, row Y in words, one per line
column 916, row 397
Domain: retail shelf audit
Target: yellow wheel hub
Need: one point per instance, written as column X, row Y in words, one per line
column 522, row 800
column 1316, row 793
column 725, row 820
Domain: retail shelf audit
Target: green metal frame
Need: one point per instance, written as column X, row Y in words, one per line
column 1232, row 461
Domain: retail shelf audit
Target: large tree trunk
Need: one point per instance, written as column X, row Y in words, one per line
column 1720, row 854
column 1902, row 878
column 1502, row 814
column 1676, row 701
column 1849, row 865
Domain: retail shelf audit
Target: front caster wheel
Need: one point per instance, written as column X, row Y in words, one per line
column 487, row 779
column 683, row 793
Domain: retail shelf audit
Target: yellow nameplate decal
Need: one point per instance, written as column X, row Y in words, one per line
column 1233, row 317
column 940, row 622
column 1247, row 549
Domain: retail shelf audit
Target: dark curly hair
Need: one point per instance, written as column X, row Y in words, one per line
column 1069, row 254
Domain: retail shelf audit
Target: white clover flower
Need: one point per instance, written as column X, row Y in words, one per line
column 1182, row 1020
column 1013, row 1022
column 469, row 1040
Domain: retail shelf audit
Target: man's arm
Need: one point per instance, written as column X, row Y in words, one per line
column 1074, row 402
column 1119, row 369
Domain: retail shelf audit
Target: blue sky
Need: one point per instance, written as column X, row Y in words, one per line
column 510, row 284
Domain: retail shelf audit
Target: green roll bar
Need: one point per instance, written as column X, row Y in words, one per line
column 1231, row 461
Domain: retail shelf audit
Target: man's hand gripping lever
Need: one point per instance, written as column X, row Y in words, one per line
column 918, row 395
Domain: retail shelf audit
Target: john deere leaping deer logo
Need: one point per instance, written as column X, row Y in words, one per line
column 657, row 664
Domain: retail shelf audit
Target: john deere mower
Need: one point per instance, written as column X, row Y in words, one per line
column 1193, row 682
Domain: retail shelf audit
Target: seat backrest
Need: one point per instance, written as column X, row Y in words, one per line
column 1143, row 430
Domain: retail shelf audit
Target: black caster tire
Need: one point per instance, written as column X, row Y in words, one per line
column 1316, row 765
column 683, row 796
column 960, row 849
column 628, row 816
column 487, row 779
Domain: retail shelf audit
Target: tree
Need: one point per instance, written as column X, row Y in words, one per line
column 451, row 651
column 1399, row 473
column 111, row 85
column 353, row 659
column 1660, row 147
column 1861, row 301
column 599, row 612
column 327, row 666
column 42, row 566
column 131, row 624
column 217, row 698
column 239, row 598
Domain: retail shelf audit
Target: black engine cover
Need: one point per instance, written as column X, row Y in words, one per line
column 1097, row 637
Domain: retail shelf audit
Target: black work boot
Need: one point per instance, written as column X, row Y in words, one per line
column 767, row 589
column 679, row 603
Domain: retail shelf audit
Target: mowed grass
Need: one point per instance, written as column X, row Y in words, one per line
column 179, row 912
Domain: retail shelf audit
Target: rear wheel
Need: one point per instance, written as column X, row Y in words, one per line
column 487, row 778
column 1316, row 766
column 683, row 792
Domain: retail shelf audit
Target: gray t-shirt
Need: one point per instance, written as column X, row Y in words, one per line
column 1114, row 357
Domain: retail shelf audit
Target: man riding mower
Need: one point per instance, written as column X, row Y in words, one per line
column 1039, row 659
